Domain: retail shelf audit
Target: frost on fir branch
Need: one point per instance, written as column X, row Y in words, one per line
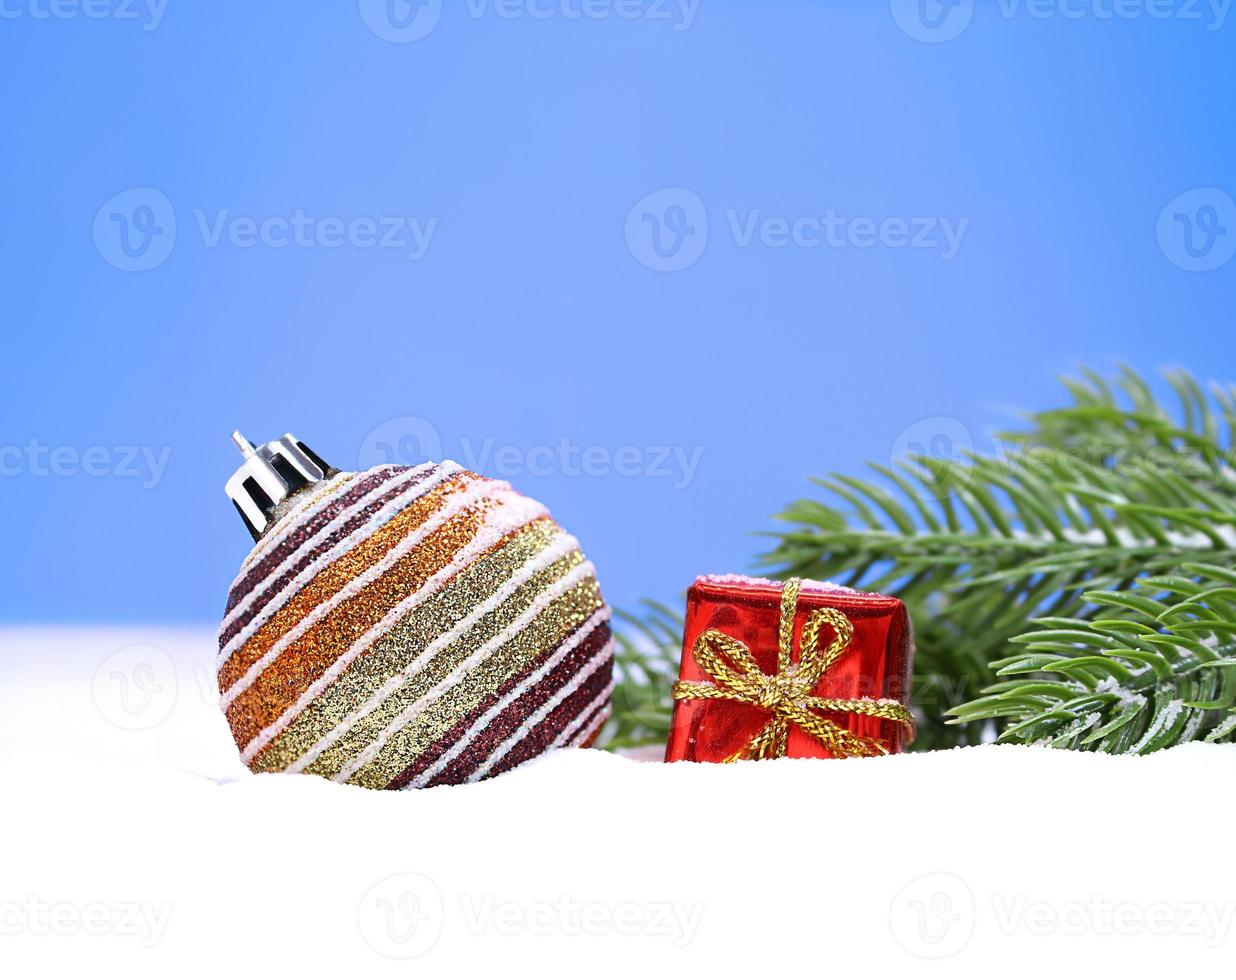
column 1151, row 668
column 1073, row 588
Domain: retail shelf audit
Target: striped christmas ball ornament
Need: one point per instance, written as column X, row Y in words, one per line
column 407, row 626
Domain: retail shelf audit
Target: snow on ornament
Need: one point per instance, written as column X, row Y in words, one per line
column 407, row 626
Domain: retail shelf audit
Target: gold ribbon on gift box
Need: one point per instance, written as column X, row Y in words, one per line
column 787, row 694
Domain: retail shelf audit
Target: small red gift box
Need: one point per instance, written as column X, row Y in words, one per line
column 799, row 669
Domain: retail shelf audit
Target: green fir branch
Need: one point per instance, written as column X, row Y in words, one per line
column 1089, row 497
column 1154, row 666
column 1012, row 564
column 646, row 654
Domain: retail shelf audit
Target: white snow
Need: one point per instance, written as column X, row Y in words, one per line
column 137, row 845
column 1163, row 722
column 1125, row 695
column 806, row 585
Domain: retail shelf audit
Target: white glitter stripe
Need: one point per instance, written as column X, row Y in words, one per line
column 585, row 731
column 512, row 514
column 366, row 530
column 591, row 730
column 375, row 523
column 578, row 637
column 308, row 505
column 560, row 545
column 455, row 505
column 541, row 713
column 574, row 577
column 255, row 596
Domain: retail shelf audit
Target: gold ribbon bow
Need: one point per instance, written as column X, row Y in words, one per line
column 787, row 694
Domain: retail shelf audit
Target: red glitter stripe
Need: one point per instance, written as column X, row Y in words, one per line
column 541, row 738
column 510, row 718
column 297, row 537
column 592, row 727
column 303, row 661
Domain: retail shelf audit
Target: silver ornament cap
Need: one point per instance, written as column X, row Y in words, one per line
column 271, row 474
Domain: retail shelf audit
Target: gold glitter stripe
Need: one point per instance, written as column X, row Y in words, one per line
column 333, row 578
column 546, row 632
column 390, row 654
column 370, row 727
column 443, row 661
column 310, row 526
column 296, row 668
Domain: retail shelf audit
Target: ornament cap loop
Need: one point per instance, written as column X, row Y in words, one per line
column 270, row 474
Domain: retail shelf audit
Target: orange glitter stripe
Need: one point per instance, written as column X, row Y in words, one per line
column 333, row 578
column 298, row 666
column 406, row 641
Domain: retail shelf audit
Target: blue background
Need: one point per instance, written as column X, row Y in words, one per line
column 531, row 319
